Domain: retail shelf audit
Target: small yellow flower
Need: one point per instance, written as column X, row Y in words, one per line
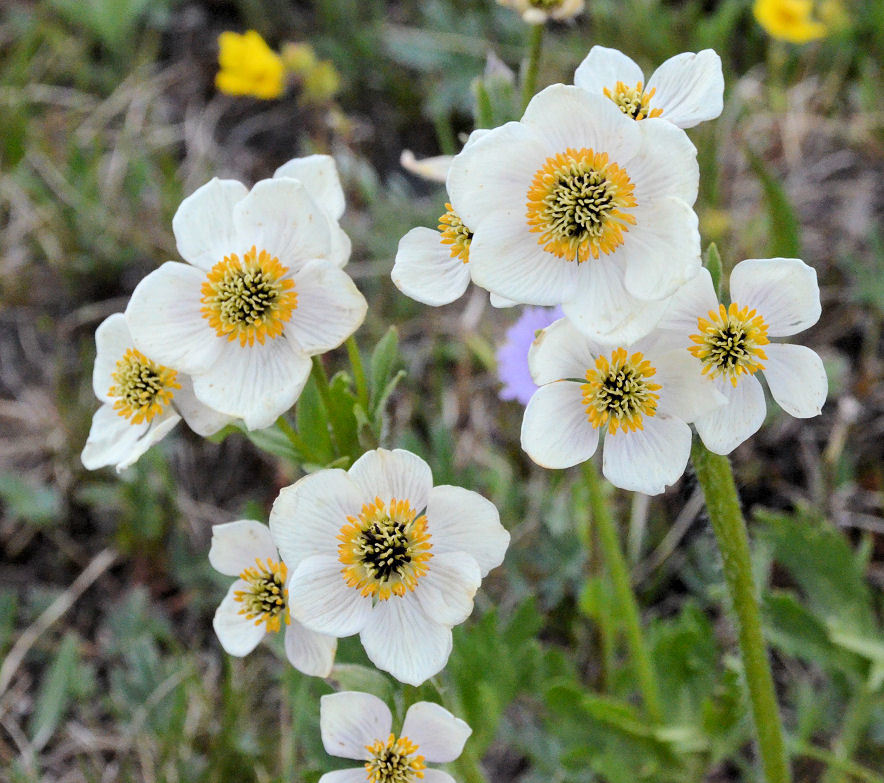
column 248, row 66
column 789, row 20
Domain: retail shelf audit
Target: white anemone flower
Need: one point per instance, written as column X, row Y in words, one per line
column 539, row 11
column 358, row 726
column 643, row 394
column 256, row 603
column 142, row 401
column 262, row 290
column 578, row 205
column 770, row 297
column 379, row 551
column 686, row 89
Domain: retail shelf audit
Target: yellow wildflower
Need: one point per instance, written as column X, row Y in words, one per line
column 248, row 66
column 789, row 20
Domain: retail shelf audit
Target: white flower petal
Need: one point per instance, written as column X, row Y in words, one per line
column 556, row 432
column 202, row 419
column 426, row 271
column 257, row 383
column 238, row 634
column 392, row 474
column 320, row 598
column 436, row 776
column 203, row 225
column 330, row 308
column 602, row 308
column 341, row 246
column 461, row 520
column 647, row 460
column 666, row 165
column 570, row 117
column 727, row 427
column 797, row 379
column 561, row 351
column 686, row 394
column 604, row 67
column 309, row 652
column 356, row 775
column 164, row 318
column 662, row 251
column 112, row 340
column 689, row 88
column 308, row 515
column 350, row 720
column 506, row 259
column 439, row 735
column 446, row 591
column 113, row 440
column 691, row 301
column 496, row 300
column 319, row 175
column 279, row 216
column 402, row 640
column 237, row 545
column 784, row 291
column 434, row 169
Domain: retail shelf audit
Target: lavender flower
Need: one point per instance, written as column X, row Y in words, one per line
column 512, row 356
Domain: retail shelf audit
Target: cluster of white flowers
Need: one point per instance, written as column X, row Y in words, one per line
column 587, row 203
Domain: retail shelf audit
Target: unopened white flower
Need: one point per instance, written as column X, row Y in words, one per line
column 578, row 205
column 359, row 726
column 770, row 297
column 642, row 394
column 142, row 400
column 434, row 169
column 686, row 89
column 262, row 290
column 256, row 602
column 538, row 11
column 379, row 551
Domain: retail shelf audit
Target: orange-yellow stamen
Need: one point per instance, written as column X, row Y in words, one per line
column 576, row 203
column 394, row 761
column 248, row 299
column 455, row 234
column 633, row 101
column 729, row 342
column 618, row 393
column 143, row 388
column 265, row 599
column 385, row 550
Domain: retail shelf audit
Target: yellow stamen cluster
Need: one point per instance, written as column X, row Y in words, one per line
column 456, row 234
column 394, row 761
column 142, row 387
column 248, row 299
column 265, row 599
column 729, row 342
column 385, row 549
column 248, row 66
column 576, row 204
column 618, row 393
column 633, row 101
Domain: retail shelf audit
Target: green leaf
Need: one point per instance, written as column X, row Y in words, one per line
column 312, row 424
column 785, row 230
column 353, row 677
column 712, row 262
column 383, row 361
column 55, row 691
column 39, row 505
column 273, row 442
column 342, row 402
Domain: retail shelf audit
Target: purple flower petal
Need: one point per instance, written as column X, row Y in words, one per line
column 512, row 356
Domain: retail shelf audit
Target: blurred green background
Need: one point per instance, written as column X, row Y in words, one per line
column 111, row 671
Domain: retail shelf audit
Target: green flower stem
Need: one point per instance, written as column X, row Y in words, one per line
column 358, row 372
column 286, row 429
column 609, row 542
column 529, row 84
column 856, row 718
column 717, row 481
column 321, row 380
column 853, row 770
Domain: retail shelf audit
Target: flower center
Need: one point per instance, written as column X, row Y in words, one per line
column 729, row 342
column 633, row 101
column 456, row 234
column 265, row 598
column 576, row 203
column 385, row 549
column 142, row 387
column 248, row 299
column 394, row 761
column 617, row 392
